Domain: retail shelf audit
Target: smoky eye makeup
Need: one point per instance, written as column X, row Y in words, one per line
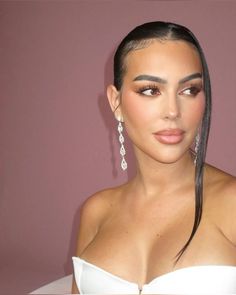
column 192, row 89
column 153, row 89
column 148, row 90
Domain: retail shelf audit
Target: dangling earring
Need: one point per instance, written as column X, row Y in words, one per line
column 122, row 148
column 197, row 141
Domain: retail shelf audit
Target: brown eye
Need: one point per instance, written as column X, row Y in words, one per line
column 150, row 91
column 191, row 91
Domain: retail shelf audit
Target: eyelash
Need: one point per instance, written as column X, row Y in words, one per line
column 194, row 88
column 149, row 87
column 155, row 90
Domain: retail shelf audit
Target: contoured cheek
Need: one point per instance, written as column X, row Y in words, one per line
column 136, row 109
column 194, row 112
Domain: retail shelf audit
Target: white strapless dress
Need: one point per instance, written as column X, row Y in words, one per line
column 207, row 279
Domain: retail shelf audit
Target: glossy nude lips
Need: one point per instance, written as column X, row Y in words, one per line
column 169, row 136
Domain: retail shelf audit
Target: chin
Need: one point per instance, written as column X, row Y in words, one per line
column 168, row 160
column 166, row 155
column 171, row 158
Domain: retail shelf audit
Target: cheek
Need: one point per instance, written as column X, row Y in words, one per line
column 138, row 110
column 194, row 112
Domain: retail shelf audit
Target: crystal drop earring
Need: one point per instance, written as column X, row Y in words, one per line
column 197, row 141
column 122, row 148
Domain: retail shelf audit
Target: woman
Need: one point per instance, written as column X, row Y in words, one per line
column 169, row 230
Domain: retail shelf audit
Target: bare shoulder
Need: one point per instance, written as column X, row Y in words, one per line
column 221, row 192
column 221, row 184
column 94, row 211
column 99, row 204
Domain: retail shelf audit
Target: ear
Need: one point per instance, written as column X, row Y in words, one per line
column 114, row 99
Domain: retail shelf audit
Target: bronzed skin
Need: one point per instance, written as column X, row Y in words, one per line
column 134, row 231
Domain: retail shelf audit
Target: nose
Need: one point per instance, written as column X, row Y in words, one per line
column 172, row 107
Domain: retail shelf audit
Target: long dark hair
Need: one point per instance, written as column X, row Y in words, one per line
column 138, row 38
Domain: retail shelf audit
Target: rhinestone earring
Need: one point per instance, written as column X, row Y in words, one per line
column 122, row 148
column 197, row 141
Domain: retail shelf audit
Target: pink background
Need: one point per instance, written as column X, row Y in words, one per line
column 58, row 138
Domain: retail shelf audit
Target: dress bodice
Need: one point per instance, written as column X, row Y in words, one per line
column 204, row 279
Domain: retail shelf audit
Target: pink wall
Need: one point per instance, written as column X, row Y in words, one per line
column 58, row 141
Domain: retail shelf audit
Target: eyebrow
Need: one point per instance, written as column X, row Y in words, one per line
column 163, row 81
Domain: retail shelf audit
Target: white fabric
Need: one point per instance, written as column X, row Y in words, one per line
column 60, row 286
column 207, row 279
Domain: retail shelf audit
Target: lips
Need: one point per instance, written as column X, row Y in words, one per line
column 169, row 136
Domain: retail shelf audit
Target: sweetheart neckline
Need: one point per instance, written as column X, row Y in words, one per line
column 156, row 278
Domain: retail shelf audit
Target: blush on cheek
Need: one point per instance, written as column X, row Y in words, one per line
column 198, row 110
column 202, row 103
column 136, row 110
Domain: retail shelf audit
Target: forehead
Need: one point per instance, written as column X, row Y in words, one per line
column 164, row 58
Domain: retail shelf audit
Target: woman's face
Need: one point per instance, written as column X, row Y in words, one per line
column 162, row 99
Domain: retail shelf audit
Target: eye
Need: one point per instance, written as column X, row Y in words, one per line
column 191, row 91
column 149, row 91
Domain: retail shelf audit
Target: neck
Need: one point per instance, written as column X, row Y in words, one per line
column 155, row 177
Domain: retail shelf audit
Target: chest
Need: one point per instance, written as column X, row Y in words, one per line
column 144, row 246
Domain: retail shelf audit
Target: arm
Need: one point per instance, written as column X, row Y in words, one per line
column 90, row 216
